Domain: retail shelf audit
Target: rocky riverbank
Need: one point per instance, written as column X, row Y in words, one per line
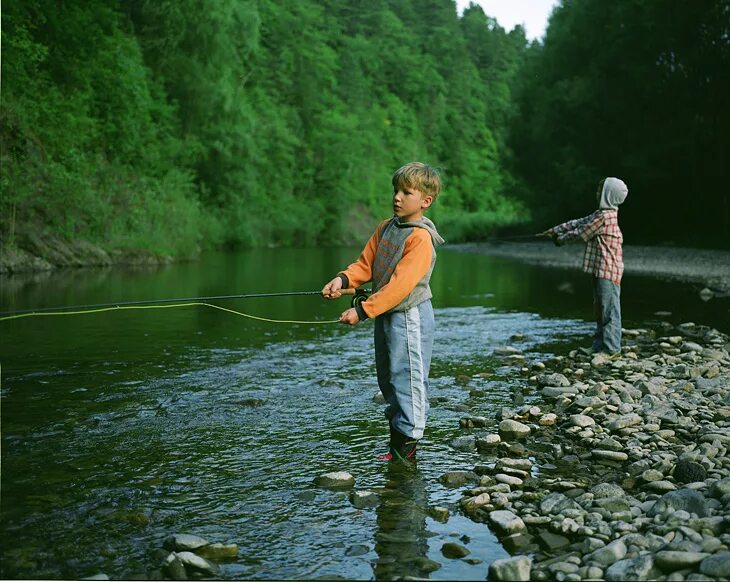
column 706, row 267
column 620, row 472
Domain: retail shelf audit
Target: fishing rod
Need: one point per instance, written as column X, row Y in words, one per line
column 359, row 295
column 515, row 237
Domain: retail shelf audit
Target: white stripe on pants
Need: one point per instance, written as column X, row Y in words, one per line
column 403, row 346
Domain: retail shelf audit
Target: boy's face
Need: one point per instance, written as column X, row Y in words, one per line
column 409, row 203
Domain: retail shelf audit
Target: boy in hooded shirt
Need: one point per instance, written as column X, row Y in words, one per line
column 603, row 258
column 399, row 259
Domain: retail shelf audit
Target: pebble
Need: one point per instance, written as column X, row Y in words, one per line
column 633, row 482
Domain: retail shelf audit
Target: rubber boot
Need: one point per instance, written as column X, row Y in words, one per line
column 400, row 447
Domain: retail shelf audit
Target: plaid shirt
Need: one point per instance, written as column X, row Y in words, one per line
column 603, row 256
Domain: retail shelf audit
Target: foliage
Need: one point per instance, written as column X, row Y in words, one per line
column 171, row 124
column 175, row 125
column 636, row 90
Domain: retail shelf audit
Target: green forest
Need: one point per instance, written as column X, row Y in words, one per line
column 182, row 125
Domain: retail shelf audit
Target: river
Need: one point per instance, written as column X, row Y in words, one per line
column 121, row 428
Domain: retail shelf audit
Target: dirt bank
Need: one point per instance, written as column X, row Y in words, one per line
column 709, row 268
column 34, row 252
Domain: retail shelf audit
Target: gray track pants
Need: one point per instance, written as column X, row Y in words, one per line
column 403, row 345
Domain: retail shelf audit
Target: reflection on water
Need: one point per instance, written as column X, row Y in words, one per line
column 401, row 535
column 120, row 429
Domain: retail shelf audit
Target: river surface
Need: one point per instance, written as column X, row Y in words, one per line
column 121, row 428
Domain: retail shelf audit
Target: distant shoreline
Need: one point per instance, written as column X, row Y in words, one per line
column 707, row 267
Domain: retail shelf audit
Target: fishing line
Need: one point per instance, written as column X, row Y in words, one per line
column 200, row 303
column 359, row 296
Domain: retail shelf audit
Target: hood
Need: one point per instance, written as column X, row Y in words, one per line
column 614, row 192
column 426, row 224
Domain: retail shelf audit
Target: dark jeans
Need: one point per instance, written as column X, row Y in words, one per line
column 607, row 306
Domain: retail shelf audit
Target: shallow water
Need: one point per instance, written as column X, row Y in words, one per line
column 121, row 428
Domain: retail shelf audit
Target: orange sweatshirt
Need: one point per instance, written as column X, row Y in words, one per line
column 398, row 259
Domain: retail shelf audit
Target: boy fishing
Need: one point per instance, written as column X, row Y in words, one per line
column 399, row 259
column 603, row 258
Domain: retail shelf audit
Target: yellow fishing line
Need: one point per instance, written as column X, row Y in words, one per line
column 166, row 307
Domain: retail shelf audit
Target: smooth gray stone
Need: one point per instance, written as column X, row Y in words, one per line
column 607, row 490
column 184, row 542
column 364, row 499
column 458, row 478
column 558, row 391
column 508, row 569
column 669, row 560
column 555, row 379
column 681, row 499
column 610, row 455
column 174, row 567
column 454, row 551
column 197, row 563
column 464, row 443
column 625, row 421
column 218, row 551
column 716, row 565
column 335, row 479
column 512, row 429
column 609, row 554
column 552, row 542
column 555, row 503
column 720, row 488
column 506, row 522
column 640, row 568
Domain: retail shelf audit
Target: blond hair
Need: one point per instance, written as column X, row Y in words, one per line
column 418, row 176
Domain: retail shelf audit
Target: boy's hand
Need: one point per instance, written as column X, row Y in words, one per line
column 332, row 289
column 349, row 317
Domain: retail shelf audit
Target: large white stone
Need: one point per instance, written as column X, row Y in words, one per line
column 506, row 522
column 198, row 563
column 517, row 569
column 335, row 479
column 512, row 429
column 185, row 542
